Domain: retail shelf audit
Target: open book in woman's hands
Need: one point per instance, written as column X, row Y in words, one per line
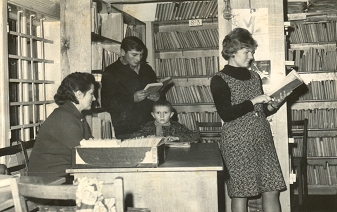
column 287, row 85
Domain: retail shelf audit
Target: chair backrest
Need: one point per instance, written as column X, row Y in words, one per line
column 19, row 150
column 8, row 184
column 299, row 128
column 208, row 130
column 65, row 192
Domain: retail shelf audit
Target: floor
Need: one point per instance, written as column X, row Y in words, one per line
column 316, row 204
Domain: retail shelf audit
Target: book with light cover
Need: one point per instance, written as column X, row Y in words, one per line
column 287, row 85
column 153, row 88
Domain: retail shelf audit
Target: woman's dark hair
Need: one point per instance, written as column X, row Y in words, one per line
column 133, row 43
column 162, row 102
column 77, row 81
column 237, row 39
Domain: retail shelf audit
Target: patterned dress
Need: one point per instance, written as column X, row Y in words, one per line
column 247, row 144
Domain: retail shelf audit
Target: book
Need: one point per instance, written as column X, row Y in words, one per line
column 166, row 81
column 153, row 88
column 287, row 85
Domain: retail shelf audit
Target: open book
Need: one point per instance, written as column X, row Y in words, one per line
column 287, row 85
column 153, row 88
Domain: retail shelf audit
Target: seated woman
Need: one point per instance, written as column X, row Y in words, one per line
column 64, row 128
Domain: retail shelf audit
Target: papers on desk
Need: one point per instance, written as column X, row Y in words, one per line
column 100, row 143
column 136, row 142
column 178, row 144
column 171, row 141
column 142, row 142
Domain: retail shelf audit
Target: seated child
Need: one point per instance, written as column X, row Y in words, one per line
column 162, row 125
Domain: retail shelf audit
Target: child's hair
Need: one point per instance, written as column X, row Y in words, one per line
column 237, row 39
column 162, row 102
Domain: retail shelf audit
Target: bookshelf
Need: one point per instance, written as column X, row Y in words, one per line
column 312, row 47
column 33, row 67
column 189, row 54
column 30, row 69
column 92, row 31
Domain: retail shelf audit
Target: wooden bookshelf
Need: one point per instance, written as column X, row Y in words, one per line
column 189, row 54
column 32, row 69
column 94, row 30
column 312, row 47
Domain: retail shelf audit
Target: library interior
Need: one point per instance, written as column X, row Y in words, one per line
column 162, row 58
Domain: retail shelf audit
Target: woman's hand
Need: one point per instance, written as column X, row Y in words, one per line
column 261, row 99
column 277, row 101
column 140, row 95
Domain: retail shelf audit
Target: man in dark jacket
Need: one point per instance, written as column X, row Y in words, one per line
column 122, row 88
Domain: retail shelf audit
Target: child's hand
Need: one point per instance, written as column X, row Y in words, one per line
column 172, row 138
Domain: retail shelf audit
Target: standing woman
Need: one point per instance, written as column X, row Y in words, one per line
column 64, row 128
column 247, row 144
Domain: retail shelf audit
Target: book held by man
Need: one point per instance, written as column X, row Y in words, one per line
column 287, row 85
column 153, row 88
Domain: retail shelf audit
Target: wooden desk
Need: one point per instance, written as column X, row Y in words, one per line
column 187, row 181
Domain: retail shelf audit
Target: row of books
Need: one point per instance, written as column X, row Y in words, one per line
column 96, row 19
column 189, row 118
column 186, row 10
column 297, row 7
column 328, row 6
column 101, row 128
column 102, row 24
column 322, row 175
column 312, row 32
column 318, row 118
column 203, row 38
column 101, row 57
column 199, row 66
column 321, row 90
column 314, row 59
column 316, row 147
column 190, row 94
column 133, row 30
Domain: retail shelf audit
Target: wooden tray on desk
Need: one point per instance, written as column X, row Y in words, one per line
column 119, row 157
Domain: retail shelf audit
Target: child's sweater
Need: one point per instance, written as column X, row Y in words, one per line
column 175, row 129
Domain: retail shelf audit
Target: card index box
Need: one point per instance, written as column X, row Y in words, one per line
column 118, row 157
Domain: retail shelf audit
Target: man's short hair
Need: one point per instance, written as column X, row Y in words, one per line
column 132, row 43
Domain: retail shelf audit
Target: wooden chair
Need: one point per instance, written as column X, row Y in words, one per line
column 208, row 130
column 51, row 191
column 19, row 150
column 7, row 185
column 299, row 162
